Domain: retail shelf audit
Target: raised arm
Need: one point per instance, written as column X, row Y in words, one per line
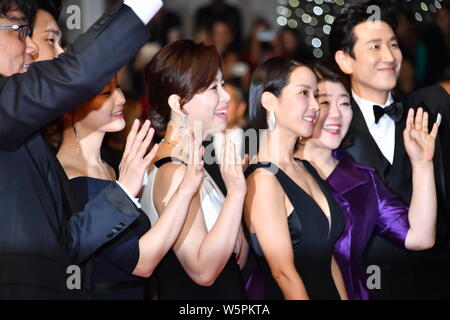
column 154, row 245
column 52, row 88
column 204, row 254
column 114, row 209
column 413, row 227
column 265, row 215
column 420, row 145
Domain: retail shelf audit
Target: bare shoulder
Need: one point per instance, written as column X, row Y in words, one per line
column 170, row 175
column 263, row 183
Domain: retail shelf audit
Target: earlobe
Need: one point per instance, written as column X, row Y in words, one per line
column 343, row 61
column 174, row 103
column 268, row 101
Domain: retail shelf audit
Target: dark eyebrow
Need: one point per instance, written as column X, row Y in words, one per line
column 304, row 85
column 20, row 19
column 394, row 38
column 373, row 40
column 54, row 31
column 320, row 95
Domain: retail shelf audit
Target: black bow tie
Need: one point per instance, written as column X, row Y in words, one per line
column 394, row 111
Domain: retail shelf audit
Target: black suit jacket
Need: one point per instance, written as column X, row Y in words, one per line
column 434, row 100
column 404, row 275
column 39, row 236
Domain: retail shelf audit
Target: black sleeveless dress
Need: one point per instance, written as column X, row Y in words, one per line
column 312, row 238
column 175, row 284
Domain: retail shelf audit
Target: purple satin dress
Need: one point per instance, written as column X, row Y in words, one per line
column 368, row 206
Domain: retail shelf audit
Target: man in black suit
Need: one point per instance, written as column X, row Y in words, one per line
column 364, row 46
column 39, row 236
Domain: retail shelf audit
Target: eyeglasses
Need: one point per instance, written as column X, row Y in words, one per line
column 24, row 31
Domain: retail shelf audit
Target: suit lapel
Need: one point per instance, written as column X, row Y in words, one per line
column 361, row 145
column 399, row 176
column 399, row 147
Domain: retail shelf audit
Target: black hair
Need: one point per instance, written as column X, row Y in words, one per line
column 342, row 36
column 325, row 72
column 271, row 76
column 53, row 7
column 26, row 6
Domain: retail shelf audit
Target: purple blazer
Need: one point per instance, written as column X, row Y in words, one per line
column 368, row 206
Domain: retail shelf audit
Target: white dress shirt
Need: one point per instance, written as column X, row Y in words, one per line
column 132, row 198
column 211, row 201
column 144, row 9
column 382, row 132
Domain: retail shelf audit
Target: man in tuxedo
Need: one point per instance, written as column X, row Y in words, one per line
column 364, row 46
column 39, row 235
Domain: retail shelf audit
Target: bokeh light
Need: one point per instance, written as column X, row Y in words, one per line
column 314, row 18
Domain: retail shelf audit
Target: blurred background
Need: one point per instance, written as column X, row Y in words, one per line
column 247, row 32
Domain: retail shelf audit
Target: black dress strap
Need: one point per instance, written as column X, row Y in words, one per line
column 313, row 172
column 165, row 160
column 289, row 186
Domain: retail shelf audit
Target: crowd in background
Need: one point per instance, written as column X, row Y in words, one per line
column 425, row 46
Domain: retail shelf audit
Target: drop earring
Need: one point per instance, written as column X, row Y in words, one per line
column 183, row 124
column 77, row 137
column 272, row 120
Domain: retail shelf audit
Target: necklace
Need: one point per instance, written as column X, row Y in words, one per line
column 169, row 143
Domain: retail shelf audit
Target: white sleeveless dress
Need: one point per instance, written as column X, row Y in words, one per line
column 211, row 198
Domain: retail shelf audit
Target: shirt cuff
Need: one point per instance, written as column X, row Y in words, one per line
column 134, row 199
column 144, row 9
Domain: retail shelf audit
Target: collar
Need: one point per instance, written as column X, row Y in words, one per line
column 366, row 106
column 346, row 176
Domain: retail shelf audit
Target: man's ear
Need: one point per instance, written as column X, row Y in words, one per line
column 269, row 101
column 344, row 61
column 175, row 104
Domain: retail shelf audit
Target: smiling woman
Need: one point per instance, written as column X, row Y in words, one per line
column 84, row 129
column 380, row 212
column 186, row 92
column 292, row 219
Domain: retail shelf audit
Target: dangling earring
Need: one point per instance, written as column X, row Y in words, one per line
column 272, row 121
column 183, row 124
column 77, row 137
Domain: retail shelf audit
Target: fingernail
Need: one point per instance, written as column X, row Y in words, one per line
column 438, row 119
